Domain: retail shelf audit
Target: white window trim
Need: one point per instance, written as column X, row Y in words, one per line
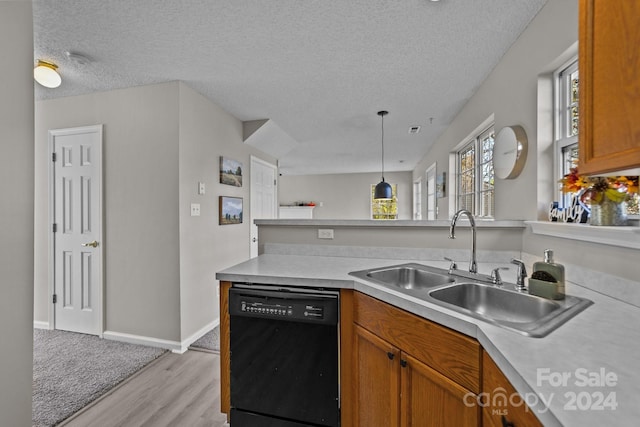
column 453, row 163
column 431, row 171
column 417, row 199
column 559, row 141
column 623, row 237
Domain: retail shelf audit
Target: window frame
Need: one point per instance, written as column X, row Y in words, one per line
column 562, row 139
column 417, row 199
column 431, row 198
column 474, row 140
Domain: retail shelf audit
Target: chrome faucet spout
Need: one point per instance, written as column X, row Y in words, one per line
column 473, row 264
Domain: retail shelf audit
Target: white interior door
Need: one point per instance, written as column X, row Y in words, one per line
column 77, row 237
column 264, row 197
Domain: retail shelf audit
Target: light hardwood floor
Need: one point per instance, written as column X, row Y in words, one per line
column 175, row 390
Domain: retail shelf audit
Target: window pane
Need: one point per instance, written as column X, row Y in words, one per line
column 488, row 203
column 573, row 103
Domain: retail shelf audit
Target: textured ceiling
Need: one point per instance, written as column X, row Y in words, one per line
column 319, row 70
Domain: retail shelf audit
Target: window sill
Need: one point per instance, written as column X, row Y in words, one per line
column 624, row 237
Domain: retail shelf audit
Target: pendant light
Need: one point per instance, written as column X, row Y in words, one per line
column 46, row 74
column 383, row 189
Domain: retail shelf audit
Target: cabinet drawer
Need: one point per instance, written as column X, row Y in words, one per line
column 494, row 381
column 451, row 353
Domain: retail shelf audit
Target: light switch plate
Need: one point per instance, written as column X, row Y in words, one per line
column 195, row 209
column 201, row 188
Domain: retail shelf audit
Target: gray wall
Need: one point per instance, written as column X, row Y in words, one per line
column 206, row 133
column 160, row 263
column 510, row 92
column 344, row 196
column 16, row 213
column 140, row 181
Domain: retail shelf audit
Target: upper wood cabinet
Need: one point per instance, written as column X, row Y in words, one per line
column 609, row 60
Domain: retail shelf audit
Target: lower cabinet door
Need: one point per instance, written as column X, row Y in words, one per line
column 498, row 410
column 376, row 381
column 431, row 399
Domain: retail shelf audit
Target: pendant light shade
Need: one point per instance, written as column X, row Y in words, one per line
column 46, row 74
column 383, row 189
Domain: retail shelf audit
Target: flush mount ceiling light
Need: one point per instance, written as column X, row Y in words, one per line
column 46, row 74
column 383, row 189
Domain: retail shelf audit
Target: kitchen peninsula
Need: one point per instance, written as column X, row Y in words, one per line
column 561, row 376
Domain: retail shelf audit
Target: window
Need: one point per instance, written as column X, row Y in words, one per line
column 384, row 209
column 417, row 199
column 566, row 130
column 475, row 177
column 431, row 192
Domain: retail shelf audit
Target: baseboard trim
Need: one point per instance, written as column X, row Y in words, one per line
column 40, row 325
column 196, row 336
column 174, row 346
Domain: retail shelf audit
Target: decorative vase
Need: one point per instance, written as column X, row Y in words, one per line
column 608, row 212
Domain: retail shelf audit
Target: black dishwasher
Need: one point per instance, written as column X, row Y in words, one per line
column 284, row 357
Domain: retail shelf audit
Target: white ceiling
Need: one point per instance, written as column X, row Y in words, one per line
column 319, row 70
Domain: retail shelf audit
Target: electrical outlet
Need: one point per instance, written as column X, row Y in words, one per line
column 325, row 233
column 195, row 209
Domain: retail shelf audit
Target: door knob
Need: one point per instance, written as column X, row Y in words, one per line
column 93, row 244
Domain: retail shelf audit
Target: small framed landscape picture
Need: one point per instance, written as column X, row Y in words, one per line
column 230, row 172
column 230, row 210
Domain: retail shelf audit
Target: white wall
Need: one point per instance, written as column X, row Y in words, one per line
column 206, row 133
column 16, row 213
column 510, row 93
column 160, row 263
column 344, row 196
column 141, row 239
column 519, row 92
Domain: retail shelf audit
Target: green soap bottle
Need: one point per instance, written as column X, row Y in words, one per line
column 548, row 289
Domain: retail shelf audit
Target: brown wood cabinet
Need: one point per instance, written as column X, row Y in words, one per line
column 406, row 370
column 609, row 60
column 398, row 369
column 498, row 411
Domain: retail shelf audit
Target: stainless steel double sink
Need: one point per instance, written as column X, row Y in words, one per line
column 499, row 305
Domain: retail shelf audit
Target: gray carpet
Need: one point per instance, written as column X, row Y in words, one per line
column 208, row 342
column 71, row 370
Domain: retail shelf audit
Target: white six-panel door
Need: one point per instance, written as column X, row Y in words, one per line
column 77, row 239
column 264, row 198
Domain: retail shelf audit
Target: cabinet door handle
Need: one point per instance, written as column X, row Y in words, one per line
column 403, row 363
column 390, row 355
column 506, row 423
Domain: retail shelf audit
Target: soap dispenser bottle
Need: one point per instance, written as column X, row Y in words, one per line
column 540, row 284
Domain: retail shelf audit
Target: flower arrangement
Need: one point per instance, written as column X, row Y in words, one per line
column 595, row 190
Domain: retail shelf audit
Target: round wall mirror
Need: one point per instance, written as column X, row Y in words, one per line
column 509, row 152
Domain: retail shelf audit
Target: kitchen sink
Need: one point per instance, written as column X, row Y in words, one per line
column 502, row 306
column 407, row 276
column 524, row 313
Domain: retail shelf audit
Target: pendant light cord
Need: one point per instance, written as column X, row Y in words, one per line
column 382, row 114
column 383, row 147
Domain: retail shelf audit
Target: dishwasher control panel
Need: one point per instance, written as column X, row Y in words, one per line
column 271, row 305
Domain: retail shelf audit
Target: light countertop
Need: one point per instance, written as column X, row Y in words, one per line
column 585, row 373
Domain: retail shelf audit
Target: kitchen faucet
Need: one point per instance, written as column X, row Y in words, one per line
column 473, row 265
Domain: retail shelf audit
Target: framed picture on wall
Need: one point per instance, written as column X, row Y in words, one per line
column 230, row 172
column 230, row 210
